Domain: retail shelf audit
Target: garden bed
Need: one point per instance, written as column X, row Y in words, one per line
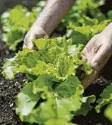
column 9, row 90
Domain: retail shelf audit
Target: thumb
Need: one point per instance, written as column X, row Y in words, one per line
column 28, row 44
column 101, row 57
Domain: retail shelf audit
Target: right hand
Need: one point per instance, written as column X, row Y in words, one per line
column 97, row 52
column 34, row 33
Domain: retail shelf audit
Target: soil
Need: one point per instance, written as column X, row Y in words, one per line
column 9, row 90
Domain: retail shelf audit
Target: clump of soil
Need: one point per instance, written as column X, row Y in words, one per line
column 9, row 90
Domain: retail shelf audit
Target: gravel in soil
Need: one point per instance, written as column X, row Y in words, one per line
column 9, row 90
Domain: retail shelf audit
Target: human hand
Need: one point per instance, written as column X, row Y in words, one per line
column 35, row 32
column 97, row 52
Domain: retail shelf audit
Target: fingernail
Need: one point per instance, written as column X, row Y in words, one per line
column 95, row 65
column 30, row 45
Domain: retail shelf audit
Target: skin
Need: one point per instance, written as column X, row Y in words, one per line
column 48, row 20
column 96, row 52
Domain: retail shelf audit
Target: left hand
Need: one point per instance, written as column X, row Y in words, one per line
column 97, row 52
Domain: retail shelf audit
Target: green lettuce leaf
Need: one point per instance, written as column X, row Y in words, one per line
column 58, row 122
column 52, row 105
column 108, row 112
column 105, row 98
column 86, row 105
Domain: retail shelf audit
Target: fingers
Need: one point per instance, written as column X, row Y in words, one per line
column 97, row 52
column 98, row 62
column 91, row 49
column 101, row 57
column 28, row 42
column 34, row 33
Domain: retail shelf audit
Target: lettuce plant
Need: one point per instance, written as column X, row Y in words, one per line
column 53, row 92
column 16, row 22
column 83, row 21
column 105, row 100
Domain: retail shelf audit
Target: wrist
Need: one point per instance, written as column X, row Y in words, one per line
column 44, row 27
column 52, row 14
column 39, row 30
column 107, row 32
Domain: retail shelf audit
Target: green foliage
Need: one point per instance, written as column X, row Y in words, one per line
column 86, row 105
column 58, row 122
column 106, row 98
column 54, row 93
column 84, row 11
column 85, row 20
column 57, row 56
column 108, row 112
column 16, row 22
column 82, row 34
column 52, row 104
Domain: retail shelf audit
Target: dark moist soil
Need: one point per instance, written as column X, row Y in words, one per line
column 9, row 90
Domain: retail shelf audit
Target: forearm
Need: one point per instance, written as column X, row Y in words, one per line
column 52, row 14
